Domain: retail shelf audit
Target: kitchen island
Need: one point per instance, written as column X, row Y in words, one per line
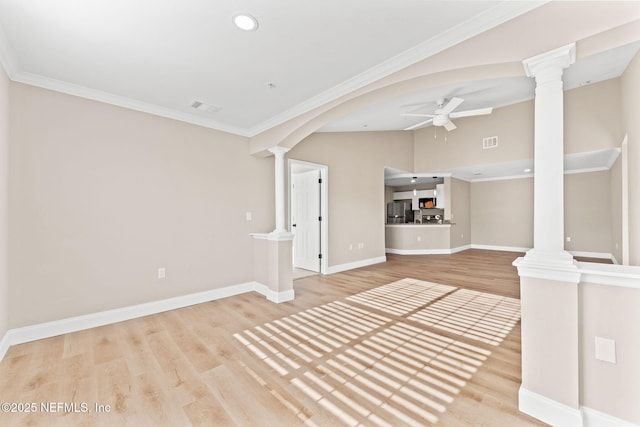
column 418, row 239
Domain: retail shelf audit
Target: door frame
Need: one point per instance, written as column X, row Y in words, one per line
column 295, row 166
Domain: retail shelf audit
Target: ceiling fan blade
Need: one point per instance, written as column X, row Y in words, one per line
column 417, row 115
column 417, row 125
column 449, row 125
column 468, row 113
column 451, row 105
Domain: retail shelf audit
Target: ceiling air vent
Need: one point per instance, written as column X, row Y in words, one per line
column 203, row 106
column 490, row 142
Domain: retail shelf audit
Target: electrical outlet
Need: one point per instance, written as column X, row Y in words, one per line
column 162, row 273
column 605, row 350
column 360, row 245
column 249, row 216
column 419, row 238
column 568, row 239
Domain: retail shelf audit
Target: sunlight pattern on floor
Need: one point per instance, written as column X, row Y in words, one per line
column 366, row 368
column 401, row 297
column 477, row 315
column 310, row 334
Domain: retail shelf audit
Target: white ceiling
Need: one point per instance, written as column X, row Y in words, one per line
column 161, row 56
column 494, row 93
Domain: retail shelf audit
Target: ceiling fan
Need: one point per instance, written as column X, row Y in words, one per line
column 444, row 113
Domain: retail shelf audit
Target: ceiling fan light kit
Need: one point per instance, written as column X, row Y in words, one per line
column 444, row 113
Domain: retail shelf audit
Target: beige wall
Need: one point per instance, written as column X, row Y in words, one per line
column 356, row 162
column 588, row 126
column 101, row 197
column 587, row 212
column 611, row 312
column 4, row 207
column 630, row 89
column 502, row 213
column 463, row 147
column 460, row 195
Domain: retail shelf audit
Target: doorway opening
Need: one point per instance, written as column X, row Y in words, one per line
column 308, row 216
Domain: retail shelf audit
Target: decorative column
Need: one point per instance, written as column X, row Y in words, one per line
column 548, row 219
column 549, row 277
column 273, row 261
column 279, row 152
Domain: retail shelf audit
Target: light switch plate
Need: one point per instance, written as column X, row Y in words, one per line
column 605, row 350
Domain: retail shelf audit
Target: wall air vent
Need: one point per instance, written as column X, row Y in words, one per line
column 490, row 142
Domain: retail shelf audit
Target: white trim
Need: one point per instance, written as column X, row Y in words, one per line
column 324, row 207
column 4, row 345
column 548, row 265
column 547, row 410
column 610, row 274
column 593, row 418
column 417, row 251
column 274, row 296
column 355, row 264
column 274, row 236
column 496, row 178
column 587, row 170
column 460, row 249
column 427, row 251
column 624, row 152
column 88, row 321
column 121, row 101
column 497, row 15
column 500, row 248
column 502, row 12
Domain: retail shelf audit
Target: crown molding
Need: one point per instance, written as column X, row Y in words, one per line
column 502, row 12
column 121, row 101
column 491, row 18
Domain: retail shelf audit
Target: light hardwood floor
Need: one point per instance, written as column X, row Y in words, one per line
column 347, row 351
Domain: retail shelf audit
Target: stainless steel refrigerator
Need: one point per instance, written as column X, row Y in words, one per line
column 399, row 212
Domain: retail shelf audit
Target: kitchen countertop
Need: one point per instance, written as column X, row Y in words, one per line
column 429, row 224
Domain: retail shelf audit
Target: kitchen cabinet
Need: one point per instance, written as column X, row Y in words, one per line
column 420, row 194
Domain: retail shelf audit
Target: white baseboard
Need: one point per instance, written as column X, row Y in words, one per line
column 593, row 418
column 356, row 264
column 78, row 323
column 547, row 410
column 274, row 296
column 459, row 249
column 4, row 345
column 500, row 248
column 417, row 251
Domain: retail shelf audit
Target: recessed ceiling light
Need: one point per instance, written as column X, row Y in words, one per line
column 527, row 170
column 245, row 22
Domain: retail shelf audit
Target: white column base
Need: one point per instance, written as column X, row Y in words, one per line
column 548, row 265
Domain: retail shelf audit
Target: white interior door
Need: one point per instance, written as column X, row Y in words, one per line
column 305, row 219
